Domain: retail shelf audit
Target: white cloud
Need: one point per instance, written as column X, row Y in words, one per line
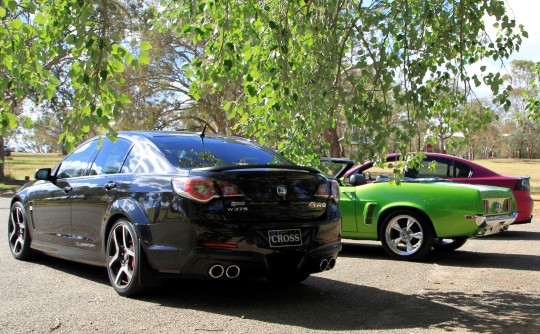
column 525, row 12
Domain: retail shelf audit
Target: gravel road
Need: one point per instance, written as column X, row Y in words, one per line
column 490, row 285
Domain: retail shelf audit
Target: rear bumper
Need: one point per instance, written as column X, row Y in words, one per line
column 525, row 206
column 215, row 263
column 191, row 250
column 494, row 224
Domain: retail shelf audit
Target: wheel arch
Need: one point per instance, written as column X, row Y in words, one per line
column 131, row 210
column 384, row 214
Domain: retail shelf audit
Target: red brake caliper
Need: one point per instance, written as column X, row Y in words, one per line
column 132, row 263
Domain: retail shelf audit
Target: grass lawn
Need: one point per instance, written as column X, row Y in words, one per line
column 515, row 167
column 19, row 165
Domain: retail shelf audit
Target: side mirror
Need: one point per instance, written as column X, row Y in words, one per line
column 357, row 180
column 43, row 174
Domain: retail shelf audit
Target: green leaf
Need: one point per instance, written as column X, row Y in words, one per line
column 145, row 46
column 143, row 58
column 251, row 90
column 16, row 24
column 115, row 36
column 27, row 122
column 273, row 25
column 40, row 18
column 12, row 5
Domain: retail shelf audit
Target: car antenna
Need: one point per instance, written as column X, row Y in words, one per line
column 202, row 134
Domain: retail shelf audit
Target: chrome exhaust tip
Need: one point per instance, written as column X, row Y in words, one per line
column 232, row 271
column 216, row 271
column 323, row 265
column 331, row 263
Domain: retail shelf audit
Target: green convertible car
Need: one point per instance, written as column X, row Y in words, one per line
column 416, row 215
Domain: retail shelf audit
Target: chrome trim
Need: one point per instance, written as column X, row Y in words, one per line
column 281, row 190
column 494, row 224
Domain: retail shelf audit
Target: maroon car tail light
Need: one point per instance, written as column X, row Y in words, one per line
column 200, row 190
column 523, row 184
column 328, row 190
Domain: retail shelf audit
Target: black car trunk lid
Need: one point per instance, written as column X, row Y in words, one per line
column 271, row 193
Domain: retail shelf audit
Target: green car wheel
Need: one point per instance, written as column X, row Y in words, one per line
column 406, row 235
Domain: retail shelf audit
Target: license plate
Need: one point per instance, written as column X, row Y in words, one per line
column 284, row 238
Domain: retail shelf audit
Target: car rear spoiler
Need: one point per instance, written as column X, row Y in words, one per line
column 242, row 167
column 347, row 164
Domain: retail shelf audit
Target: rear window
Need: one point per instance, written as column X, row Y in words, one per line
column 194, row 152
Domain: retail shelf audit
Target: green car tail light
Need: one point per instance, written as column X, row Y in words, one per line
column 496, row 207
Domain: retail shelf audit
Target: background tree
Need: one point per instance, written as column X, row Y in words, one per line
column 309, row 78
column 533, row 102
column 522, row 78
column 289, row 56
column 36, row 33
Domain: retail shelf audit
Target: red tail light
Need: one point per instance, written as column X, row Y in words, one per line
column 328, row 190
column 200, row 190
column 229, row 189
column 203, row 190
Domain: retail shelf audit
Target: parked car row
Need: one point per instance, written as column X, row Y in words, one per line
column 460, row 170
column 153, row 204
column 420, row 213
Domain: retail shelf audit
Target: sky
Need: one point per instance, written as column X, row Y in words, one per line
column 526, row 12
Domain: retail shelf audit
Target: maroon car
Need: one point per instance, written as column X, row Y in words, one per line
column 464, row 171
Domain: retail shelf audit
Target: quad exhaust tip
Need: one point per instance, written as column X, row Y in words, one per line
column 327, row 264
column 218, row 271
column 232, row 271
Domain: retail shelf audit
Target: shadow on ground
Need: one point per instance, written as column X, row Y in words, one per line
column 325, row 304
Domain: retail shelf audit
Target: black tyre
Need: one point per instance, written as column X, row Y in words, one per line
column 406, row 235
column 124, row 259
column 448, row 245
column 18, row 235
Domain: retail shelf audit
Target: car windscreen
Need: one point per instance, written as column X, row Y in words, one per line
column 194, row 152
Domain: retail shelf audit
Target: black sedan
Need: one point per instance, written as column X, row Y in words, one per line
column 152, row 204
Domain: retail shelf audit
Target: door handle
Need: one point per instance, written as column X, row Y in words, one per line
column 68, row 189
column 110, row 185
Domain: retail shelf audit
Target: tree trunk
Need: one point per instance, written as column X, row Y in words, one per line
column 336, row 149
column 2, row 158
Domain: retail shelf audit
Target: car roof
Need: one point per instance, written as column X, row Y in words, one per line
column 156, row 134
column 479, row 171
